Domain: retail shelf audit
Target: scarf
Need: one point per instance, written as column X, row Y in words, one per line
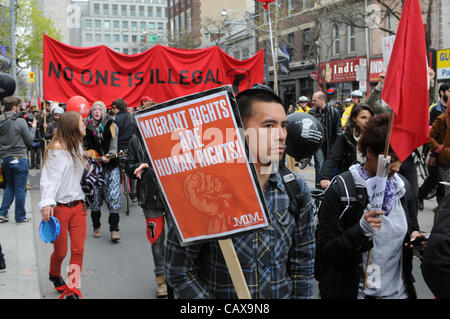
column 389, row 192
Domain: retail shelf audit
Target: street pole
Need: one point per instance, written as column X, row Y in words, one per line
column 367, row 53
column 275, row 73
column 12, row 22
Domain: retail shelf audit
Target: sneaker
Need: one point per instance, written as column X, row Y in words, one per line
column 26, row 220
column 4, row 219
column 2, row 266
column 58, row 282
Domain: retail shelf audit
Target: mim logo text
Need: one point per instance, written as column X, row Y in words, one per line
column 247, row 219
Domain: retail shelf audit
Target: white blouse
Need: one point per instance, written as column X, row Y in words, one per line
column 60, row 179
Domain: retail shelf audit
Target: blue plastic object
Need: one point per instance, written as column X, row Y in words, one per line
column 49, row 231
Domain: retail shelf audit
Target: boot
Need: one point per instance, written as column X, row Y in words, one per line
column 115, row 237
column 97, row 233
column 95, row 216
column 114, row 226
column 161, row 290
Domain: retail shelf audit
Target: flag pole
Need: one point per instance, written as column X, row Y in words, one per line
column 386, row 153
column 275, row 73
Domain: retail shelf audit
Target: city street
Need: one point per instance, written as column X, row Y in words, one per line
column 125, row 270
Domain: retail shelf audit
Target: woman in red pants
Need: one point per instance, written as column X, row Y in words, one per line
column 63, row 198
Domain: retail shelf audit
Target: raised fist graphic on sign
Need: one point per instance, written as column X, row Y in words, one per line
column 211, row 195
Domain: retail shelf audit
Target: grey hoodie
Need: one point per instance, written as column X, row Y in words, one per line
column 15, row 136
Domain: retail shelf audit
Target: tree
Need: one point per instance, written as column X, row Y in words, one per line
column 31, row 24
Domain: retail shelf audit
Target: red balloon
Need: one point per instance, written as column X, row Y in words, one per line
column 78, row 104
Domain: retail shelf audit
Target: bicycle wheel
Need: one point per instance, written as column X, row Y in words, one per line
column 126, row 191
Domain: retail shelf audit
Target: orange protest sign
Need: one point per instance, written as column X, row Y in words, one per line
column 199, row 159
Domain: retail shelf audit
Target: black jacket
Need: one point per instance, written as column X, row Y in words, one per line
column 126, row 129
column 331, row 124
column 436, row 258
column 147, row 188
column 342, row 155
column 340, row 244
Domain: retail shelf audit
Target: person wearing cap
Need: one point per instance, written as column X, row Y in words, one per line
column 102, row 136
column 277, row 262
column 303, row 105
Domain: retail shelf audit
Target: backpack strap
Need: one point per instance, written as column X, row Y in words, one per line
column 296, row 197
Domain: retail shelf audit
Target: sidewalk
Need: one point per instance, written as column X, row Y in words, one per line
column 20, row 281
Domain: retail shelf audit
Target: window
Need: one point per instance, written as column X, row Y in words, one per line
column 160, row 26
column 151, row 26
column 141, row 11
column 188, row 20
column 107, row 38
column 96, row 9
column 291, row 45
column 158, row 12
column 133, row 11
column 124, row 10
column 88, row 24
column 290, row 6
column 98, row 24
column 134, row 38
column 125, row 38
column 142, row 38
column 125, row 25
column 125, row 50
column 116, row 25
column 351, row 39
column 88, row 37
column 306, row 4
column 106, row 24
column 245, row 53
column 306, row 44
column 142, row 25
column 133, row 26
column 98, row 38
column 150, row 12
column 115, row 9
column 116, row 38
column 182, row 23
column 237, row 54
column 336, row 41
column 105, row 9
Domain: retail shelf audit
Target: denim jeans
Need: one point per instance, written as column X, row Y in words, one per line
column 16, row 174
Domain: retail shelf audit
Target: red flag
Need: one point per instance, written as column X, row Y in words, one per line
column 266, row 3
column 406, row 86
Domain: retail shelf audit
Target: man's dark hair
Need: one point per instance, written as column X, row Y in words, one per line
column 373, row 136
column 245, row 102
column 120, row 104
column 443, row 87
column 10, row 101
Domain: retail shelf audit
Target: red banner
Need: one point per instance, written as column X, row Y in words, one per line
column 162, row 73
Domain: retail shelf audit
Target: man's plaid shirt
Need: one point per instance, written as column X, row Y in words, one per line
column 277, row 262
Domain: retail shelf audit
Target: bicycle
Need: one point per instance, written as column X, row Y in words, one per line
column 125, row 185
column 317, row 196
column 419, row 163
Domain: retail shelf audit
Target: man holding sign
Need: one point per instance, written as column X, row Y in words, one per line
column 277, row 261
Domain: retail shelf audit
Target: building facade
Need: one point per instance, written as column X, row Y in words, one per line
column 127, row 27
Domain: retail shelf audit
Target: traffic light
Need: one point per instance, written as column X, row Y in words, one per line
column 31, row 77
